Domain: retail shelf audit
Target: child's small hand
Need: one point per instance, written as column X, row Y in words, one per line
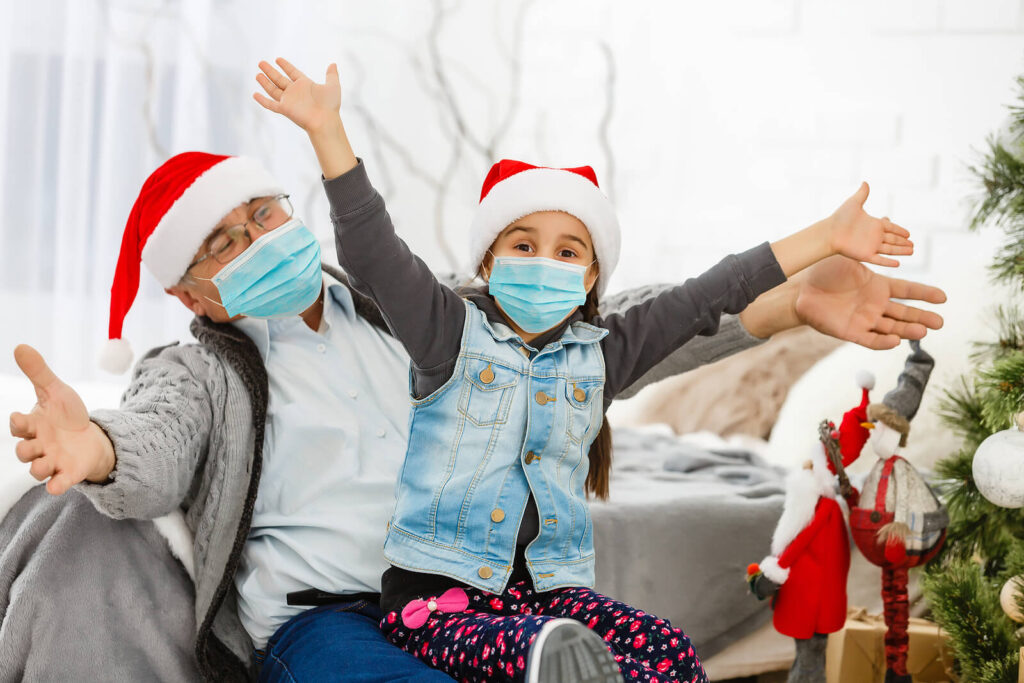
column 857, row 235
column 310, row 105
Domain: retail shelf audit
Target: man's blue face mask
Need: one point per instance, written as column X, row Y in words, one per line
column 537, row 293
column 277, row 276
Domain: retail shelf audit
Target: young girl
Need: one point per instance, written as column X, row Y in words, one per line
column 491, row 542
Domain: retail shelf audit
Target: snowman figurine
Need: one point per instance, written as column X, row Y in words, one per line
column 899, row 522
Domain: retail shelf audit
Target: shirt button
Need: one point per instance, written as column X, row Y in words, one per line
column 382, row 433
column 497, row 514
column 321, row 348
column 353, row 393
column 485, row 572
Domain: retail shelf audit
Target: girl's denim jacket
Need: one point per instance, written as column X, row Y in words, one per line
column 509, row 421
column 495, row 420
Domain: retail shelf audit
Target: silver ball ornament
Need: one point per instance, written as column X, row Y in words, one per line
column 998, row 468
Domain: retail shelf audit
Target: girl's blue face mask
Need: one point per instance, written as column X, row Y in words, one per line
column 537, row 293
column 277, row 276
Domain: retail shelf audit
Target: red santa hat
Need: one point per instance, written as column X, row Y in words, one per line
column 177, row 208
column 852, row 434
column 513, row 189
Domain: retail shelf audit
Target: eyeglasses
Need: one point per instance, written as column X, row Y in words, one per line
column 230, row 241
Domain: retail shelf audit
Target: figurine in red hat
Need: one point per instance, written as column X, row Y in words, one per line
column 810, row 551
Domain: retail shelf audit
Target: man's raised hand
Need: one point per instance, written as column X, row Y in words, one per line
column 58, row 440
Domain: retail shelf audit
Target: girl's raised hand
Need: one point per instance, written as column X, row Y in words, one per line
column 310, row 105
column 856, row 234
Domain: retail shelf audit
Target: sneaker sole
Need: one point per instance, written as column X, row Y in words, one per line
column 566, row 651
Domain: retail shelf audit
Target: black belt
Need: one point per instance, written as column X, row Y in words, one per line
column 315, row 598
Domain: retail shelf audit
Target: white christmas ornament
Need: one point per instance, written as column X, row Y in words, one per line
column 998, row 468
column 1008, row 597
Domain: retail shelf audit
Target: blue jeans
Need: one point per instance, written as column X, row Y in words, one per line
column 339, row 642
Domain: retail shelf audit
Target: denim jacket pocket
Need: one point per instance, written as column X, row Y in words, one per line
column 487, row 392
column 582, row 398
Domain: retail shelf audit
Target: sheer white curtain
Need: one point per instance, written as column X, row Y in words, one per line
column 98, row 95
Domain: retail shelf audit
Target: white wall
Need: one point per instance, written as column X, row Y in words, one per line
column 728, row 123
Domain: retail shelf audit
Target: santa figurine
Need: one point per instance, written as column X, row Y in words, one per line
column 899, row 523
column 810, row 552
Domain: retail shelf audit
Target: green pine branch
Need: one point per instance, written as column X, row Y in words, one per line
column 1002, row 391
column 1002, row 178
column 1008, row 321
column 966, row 604
column 961, row 408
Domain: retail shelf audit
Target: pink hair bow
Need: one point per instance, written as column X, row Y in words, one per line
column 416, row 612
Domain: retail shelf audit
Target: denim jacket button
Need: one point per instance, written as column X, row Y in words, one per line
column 485, row 572
column 497, row 514
column 531, row 456
column 579, row 395
column 487, row 375
column 543, row 398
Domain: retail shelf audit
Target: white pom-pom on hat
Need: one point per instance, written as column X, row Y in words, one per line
column 865, row 379
column 116, row 356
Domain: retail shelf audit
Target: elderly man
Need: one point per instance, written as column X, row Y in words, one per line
column 280, row 433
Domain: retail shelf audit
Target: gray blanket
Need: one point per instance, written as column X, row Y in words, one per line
column 87, row 598
column 680, row 527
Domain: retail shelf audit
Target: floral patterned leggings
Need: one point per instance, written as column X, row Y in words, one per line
column 490, row 640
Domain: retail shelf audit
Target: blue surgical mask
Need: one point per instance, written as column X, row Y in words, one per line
column 277, row 276
column 536, row 293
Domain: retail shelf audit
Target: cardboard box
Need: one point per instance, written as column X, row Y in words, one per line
column 856, row 653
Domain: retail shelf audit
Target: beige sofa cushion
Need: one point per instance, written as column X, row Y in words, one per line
column 741, row 394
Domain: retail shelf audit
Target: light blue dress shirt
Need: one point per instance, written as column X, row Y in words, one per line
column 337, row 426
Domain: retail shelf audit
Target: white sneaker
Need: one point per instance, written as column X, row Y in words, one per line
column 566, row 651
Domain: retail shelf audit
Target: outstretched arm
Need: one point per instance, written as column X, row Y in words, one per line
column 424, row 315
column 842, row 298
column 849, row 231
column 135, row 462
column 644, row 336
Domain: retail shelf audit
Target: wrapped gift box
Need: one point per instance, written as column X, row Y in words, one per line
column 856, row 653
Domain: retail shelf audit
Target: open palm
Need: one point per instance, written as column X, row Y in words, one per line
column 861, row 236
column 295, row 95
column 56, row 436
column 843, row 298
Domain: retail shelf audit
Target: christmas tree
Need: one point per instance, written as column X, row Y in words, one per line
column 984, row 549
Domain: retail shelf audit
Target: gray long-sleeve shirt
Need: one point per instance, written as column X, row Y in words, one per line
column 427, row 317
